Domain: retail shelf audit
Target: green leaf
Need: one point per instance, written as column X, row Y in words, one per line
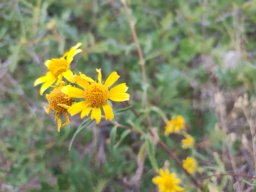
column 63, row 182
column 14, row 58
column 113, row 134
column 123, row 136
column 123, row 109
column 151, row 152
column 83, row 125
column 101, row 185
column 167, row 21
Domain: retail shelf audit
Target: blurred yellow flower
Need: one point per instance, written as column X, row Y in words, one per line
column 57, row 102
column 58, row 68
column 167, row 182
column 175, row 125
column 190, row 165
column 96, row 95
column 188, row 142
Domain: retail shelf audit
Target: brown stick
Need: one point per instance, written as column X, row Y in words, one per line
column 229, row 174
column 145, row 98
column 141, row 57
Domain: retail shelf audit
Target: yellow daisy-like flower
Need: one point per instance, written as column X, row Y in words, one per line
column 167, row 182
column 175, row 125
column 57, row 102
column 96, row 95
column 190, row 165
column 188, row 142
column 58, row 68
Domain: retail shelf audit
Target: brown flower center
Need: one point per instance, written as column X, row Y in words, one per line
column 96, row 94
column 56, row 97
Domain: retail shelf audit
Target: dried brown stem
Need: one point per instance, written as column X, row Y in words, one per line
column 144, row 97
column 141, row 57
column 229, row 174
column 252, row 131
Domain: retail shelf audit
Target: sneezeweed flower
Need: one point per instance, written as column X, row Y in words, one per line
column 175, row 125
column 188, row 142
column 167, row 182
column 190, row 165
column 58, row 68
column 57, row 102
column 96, row 95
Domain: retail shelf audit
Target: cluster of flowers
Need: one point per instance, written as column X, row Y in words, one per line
column 72, row 93
column 167, row 181
column 92, row 96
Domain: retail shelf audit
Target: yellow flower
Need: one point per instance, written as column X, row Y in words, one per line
column 167, row 182
column 188, row 142
column 190, row 165
column 96, row 95
column 175, row 125
column 57, row 102
column 58, row 68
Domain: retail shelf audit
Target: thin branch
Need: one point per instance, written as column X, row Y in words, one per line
column 228, row 174
column 140, row 55
column 252, row 131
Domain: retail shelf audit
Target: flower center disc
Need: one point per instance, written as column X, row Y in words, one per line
column 58, row 66
column 56, row 97
column 96, row 94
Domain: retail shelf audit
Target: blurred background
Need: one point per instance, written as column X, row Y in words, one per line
column 200, row 57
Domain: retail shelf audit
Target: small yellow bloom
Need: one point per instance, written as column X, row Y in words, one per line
column 188, row 142
column 96, row 95
column 167, row 182
column 58, row 68
column 175, row 125
column 190, row 165
column 58, row 102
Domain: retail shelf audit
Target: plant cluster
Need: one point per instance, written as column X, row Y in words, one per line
column 187, row 122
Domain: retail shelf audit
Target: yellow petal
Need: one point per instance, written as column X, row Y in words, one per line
column 156, row 180
column 109, row 115
column 112, row 78
column 76, row 108
column 59, row 80
column 46, row 85
column 46, row 63
column 63, row 106
column 69, row 55
column 120, row 88
column 67, row 118
column 76, row 48
column 178, row 188
column 57, row 66
column 99, row 75
column 162, row 172
column 73, row 91
column 40, row 80
column 96, row 114
column 78, row 45
column 69, row 76
column 85, row 112
column 85, row 77
column 59, row 123
column 119, row 97
column 43, row 79
column 47, row 110
column 81, row 81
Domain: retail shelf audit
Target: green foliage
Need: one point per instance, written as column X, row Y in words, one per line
column 186, row 45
